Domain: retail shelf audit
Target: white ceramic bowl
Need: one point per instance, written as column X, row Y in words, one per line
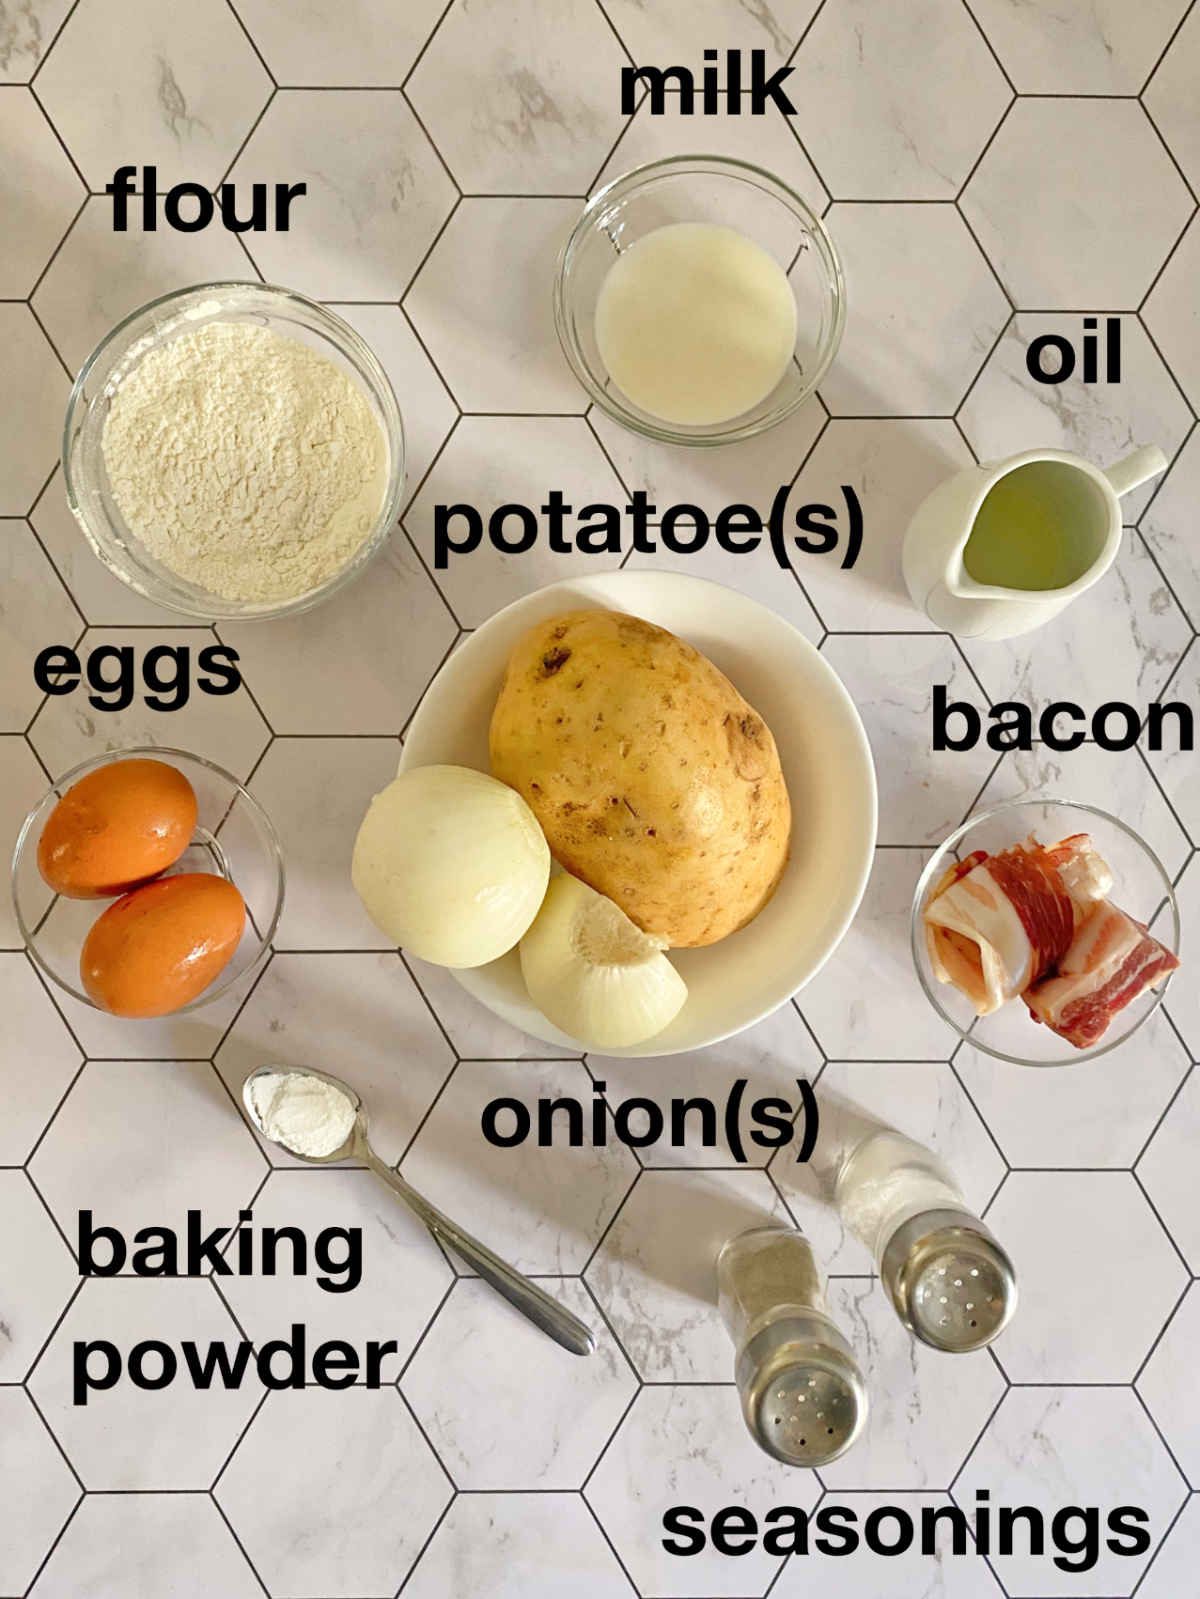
column 826, row 762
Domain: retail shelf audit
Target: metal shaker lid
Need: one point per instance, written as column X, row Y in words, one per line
column 952, row 1284
column 802, row 1393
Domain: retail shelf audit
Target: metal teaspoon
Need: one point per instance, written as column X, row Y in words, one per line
column 534, row 1303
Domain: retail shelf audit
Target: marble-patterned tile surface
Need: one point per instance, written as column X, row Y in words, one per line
column 1063, row 1228
column 1059, row 251
column 545, row 1427
column 898, row 101
column 927, row 310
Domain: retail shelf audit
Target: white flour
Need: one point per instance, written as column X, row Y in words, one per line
column 303, row 1113
column 245, row 461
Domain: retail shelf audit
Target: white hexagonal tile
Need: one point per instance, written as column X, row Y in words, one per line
column 38, row 1063
column 1120, row 640
column 377, row 193
column 1053, row 1447
column 31, row 408
column 544, row 1426
column 543, row 1209
column 358, row 663
column 503, row 460
column 1168, row 1384
column 898, row 103
column 429, row 410
column 891, row 465
column 39, row 191
column 1171, row 314
column 1170, row 95
column 768, row 1058
column 907, row 1574
column 354, row 1015
column 522, row 97
column 549, row 1543
column 656, row 1271
column 136, row 1138
column 926, row 1407
column 891, row 681
column 1089, row 1253
column 1086, row 1115
column 927, row 310
column 1165, row 526
column 675, row 30
column 765, row 139
column 127, row 1437
column 404, row 1274
column 68, row 729
column 37, row 612
column 367, row 44
column 1073, row 247
column 37, row 1276
column 38, row 1489
column 177, row 87
column 1007, row 410
column 316, row 791
column 689, row 1446
column 121, row 271
column 864, row 1003
column 922, row 1099
column 1174, row 1563
column 1176, row 768
column 27, row 35
column 348, row 1513
column 482, row 305
column 1168, row 1170
column 1099, row 48
column 139, row 1545
column 102, row 598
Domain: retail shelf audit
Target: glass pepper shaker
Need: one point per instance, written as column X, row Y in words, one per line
column 803, row 1396
column 951, row 1283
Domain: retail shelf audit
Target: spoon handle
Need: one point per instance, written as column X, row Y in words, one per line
column 534, row 1303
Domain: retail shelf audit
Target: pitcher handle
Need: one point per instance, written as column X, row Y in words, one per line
column 1139, row 465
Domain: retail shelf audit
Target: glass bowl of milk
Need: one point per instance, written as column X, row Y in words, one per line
column 699, row 300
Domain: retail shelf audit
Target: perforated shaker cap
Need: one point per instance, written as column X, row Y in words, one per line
column 952, row 1284
column 803, row 1395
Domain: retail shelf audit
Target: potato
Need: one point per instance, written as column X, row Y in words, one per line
column 653, row 779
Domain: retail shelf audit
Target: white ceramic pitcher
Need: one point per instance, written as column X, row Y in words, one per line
column 937, row 536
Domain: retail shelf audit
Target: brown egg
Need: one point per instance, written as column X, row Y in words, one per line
column 118, row 826
column 159, row 947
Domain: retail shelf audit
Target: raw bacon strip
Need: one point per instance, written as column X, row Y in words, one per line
column 1112, row 959
column 998, row 923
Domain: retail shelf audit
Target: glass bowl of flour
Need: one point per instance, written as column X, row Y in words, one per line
column 234, row 450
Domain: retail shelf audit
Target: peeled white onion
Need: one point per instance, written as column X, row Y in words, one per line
column 451, row 863
column 594, row 973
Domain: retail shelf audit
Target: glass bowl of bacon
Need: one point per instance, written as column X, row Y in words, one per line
column 1045, row 931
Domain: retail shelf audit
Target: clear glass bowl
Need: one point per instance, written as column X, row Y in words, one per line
column 234, row 838
column 89, row 492
column 1141, row 887
column 702, row 188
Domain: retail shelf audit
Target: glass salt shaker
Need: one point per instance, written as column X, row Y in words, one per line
column 951, row 1283
column 802, row 1393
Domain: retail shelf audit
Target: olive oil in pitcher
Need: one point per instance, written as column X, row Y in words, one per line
column 1041, row 526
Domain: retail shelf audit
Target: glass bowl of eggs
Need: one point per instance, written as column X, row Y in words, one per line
column 699, row 300
column 147, row 882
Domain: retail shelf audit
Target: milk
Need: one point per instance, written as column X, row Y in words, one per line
column 696, row 323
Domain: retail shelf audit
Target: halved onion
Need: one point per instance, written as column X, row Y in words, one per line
column 451, row 863
column 594, row 973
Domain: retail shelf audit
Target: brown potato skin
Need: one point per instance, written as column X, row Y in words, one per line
column 654, row 780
